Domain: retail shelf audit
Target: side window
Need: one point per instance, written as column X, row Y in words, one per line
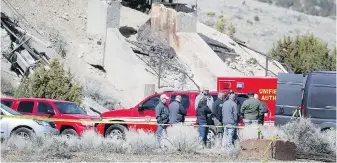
column 151, row 103
column 320, row 97
column 185, row 100
column 26, row 107
column 43, row 107
column 7, row 103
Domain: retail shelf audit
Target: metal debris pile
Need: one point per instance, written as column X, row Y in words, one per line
column 25, row 51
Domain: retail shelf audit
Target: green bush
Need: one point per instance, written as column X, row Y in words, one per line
column 211, row 14
column 53, row 83
column 304, row 53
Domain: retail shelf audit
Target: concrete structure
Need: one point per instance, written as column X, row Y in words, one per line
column 124, row 69
column 180, row 31
column 102, row 15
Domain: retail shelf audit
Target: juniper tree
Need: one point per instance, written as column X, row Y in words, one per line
column 51, row 82
column 305, row 53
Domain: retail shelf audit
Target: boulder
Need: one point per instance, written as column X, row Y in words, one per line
column 263, row 149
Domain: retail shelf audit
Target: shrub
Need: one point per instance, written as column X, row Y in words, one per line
column 224, row 26
column 220, row 26
column 182, row 138
column 256, row 18
column 211, row 14
column 53, row 83
column 231, row 30
column 304, row 53
column 308, row 138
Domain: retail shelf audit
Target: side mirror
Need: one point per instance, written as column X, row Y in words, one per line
column 140, row 107
column 50, row 111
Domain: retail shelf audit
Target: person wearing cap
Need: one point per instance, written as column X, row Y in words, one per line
column 204, row 92
column 177, row 111
column 162, row 116
column 251, row 110
column 265, row 109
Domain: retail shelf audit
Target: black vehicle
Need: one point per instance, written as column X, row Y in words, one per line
column 311, row 94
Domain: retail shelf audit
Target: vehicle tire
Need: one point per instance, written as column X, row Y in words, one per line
column 23, row 132
column 69, row 132
column 116, row 131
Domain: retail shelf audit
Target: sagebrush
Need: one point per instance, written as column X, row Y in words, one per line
column 51, row 82
column 180, row 139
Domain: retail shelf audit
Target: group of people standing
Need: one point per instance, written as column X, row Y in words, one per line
column 225, row 111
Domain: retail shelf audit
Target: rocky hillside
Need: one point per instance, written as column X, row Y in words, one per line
column 116, row 67
column 261, row 24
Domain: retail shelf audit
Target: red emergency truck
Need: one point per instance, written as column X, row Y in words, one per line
column 265, row 87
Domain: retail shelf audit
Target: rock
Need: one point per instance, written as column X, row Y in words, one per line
column 263, row 149
column 65, row 17
column 233, row 66
column 5, row 41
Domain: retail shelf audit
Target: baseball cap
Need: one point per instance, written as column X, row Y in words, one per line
column 251, row 93
column 164, row 96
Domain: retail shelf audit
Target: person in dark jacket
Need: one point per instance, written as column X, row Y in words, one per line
column 202, row 112
column 177, row 111
column 230, row 118
column 162, row 116
column 217, row 111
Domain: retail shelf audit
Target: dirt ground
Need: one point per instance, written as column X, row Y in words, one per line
column 114, row 157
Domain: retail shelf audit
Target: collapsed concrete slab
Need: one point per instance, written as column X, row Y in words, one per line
column 124, row 69
column 266, row 149
column 179, row 30
column 259, row 70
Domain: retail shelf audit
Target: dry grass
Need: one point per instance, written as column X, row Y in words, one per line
column 180, row 142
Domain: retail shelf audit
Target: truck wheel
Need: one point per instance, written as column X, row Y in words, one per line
column 23, row 132
column 116, row 131
column 69, row 132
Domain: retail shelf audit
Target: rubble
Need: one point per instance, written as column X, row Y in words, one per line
column 22, row 55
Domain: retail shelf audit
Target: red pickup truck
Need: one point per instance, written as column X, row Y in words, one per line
column 145, row 112
column 53, row 109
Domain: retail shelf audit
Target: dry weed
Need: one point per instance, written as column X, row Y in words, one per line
column 180, row 138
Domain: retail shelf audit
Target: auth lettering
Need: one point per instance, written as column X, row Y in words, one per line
column 268, row 97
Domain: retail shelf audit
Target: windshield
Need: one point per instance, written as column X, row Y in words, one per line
column 69, row 108
column 9, row 110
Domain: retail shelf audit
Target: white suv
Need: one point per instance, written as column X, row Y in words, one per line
column 25, row 128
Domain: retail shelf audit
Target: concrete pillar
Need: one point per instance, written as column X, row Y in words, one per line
column 102, row 15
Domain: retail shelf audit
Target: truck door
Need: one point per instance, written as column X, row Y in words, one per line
column 148, row 113
column 288, row 96
column 319, row 99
